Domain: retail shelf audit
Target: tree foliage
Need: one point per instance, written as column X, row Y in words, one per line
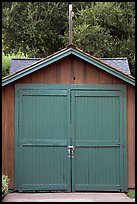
column 34, row 27
column 103, row 29
column 107, row 29
column 6, row 60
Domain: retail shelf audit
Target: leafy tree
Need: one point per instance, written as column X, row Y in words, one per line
column 106, row 29
column 34, row 27
column 103, row 29
column 6, row 4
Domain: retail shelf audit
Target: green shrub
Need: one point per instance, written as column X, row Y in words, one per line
column 5, row 183
column 131, row 194
column 6, row 60
column 5, row 65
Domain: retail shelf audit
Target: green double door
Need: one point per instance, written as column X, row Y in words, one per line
column 70, row 140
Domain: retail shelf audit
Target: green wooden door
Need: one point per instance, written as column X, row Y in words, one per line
column 42, row 140
column 98, row 141
column 52, row 118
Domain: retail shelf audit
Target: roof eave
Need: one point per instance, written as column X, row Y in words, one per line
column 63, row 54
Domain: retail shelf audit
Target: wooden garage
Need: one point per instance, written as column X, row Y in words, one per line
column 68, row 124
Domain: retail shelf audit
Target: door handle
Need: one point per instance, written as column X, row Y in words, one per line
column 71, row 149
column 72, row 155
column 68, row 152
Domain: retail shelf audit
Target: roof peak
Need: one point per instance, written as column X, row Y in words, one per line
column 25, row 70
column 71, row 46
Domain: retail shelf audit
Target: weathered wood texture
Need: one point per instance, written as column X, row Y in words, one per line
column 70, row 70
column 131, row 135
column 8, row 108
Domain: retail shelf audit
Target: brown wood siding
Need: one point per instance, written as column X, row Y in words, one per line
column 3, row 131
column 63, row 72
column 50, row 74
column 8, row 132
column 105, row 78
column 115, row 80
column 78, row 72
column 131, row 135
column 26, row 79
column 37, row 77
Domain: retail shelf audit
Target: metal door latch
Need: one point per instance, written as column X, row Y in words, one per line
column 71, row 151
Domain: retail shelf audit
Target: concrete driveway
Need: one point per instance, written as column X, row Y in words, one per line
column 67, row 197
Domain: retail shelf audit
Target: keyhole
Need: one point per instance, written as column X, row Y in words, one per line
column 74, row 78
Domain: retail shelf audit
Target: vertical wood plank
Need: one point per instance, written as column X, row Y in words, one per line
column 78, row 71
column 92, row 75
column 105, row 78
column 84, row 73
column 6, row 130
column 38, row 76
column 131, row 135
column 58, row 72
column 71, row 63
column 50, row 76
column 65, row 71
column 3, row 130
column 9, row 133
column 26, row 79
column 115, row 80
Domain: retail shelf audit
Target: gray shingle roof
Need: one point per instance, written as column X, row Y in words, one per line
column 19, row 63
column 119, row 63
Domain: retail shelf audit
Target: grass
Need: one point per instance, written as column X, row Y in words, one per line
column 131, row 194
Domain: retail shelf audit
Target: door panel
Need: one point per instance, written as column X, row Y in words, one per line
column 96, row 137
column 43, row 140
column 48, row 121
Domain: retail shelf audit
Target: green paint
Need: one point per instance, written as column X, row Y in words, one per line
column 97, row 134
column 42, row 136
column 49, row 118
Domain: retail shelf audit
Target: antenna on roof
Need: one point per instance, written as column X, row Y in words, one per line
column 71, row 14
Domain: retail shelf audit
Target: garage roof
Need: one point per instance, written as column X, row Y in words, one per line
column 115, row 66
column 119, row 63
